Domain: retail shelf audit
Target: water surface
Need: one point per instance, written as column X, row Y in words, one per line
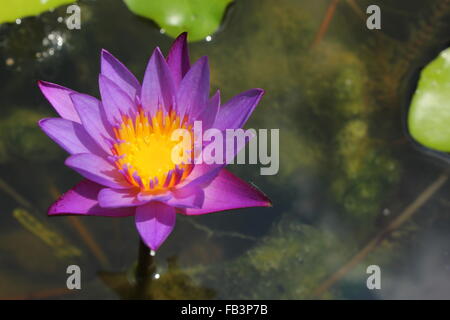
column 347, row 167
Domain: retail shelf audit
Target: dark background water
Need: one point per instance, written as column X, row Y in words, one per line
column 347, row 166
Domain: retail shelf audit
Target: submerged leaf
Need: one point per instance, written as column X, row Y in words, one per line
column 429, row 114
column 61, row 247
column 20, row 138
column 12, row 10
column 199, row 18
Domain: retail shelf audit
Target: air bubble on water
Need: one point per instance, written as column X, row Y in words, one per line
column 52, row 43
column 9, row 62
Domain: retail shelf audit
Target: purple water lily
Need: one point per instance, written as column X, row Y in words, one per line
column 121, row 144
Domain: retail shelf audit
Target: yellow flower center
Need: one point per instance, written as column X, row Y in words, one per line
column 144, row 150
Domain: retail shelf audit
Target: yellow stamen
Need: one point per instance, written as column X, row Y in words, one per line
column 143, row 150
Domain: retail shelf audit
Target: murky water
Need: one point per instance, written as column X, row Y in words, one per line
column 348, row 171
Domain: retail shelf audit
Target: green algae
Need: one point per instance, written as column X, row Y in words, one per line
column 337, row 169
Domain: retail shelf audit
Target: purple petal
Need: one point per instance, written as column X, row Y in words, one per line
column 234, row 113
column 114, row 198
column 82, row 199
column 93, row 119
column 116, row 102
column 97, row 169
column 158, row 86
column 155, row 221
column 178, row 58
column 71, row 136
column 193, row 93
column 228, row 192
column 194, row 199
column 209, row 114
column 147, row 197
column 200, row 177
column 119, row 74
column 59, row 98
column 233, row 145
column 204, row 172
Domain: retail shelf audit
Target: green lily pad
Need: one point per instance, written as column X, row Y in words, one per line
column 200, row 18
column 429, row 114
column 12, row 10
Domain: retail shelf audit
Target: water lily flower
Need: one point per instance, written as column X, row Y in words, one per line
column 121, row 144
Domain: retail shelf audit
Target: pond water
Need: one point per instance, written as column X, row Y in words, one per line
column 349, row 175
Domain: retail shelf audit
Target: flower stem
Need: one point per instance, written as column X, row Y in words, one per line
column 144, row 270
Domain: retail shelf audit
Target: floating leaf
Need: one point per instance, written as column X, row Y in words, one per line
column 200, row 18
column 12, row 10
column 429, row 114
